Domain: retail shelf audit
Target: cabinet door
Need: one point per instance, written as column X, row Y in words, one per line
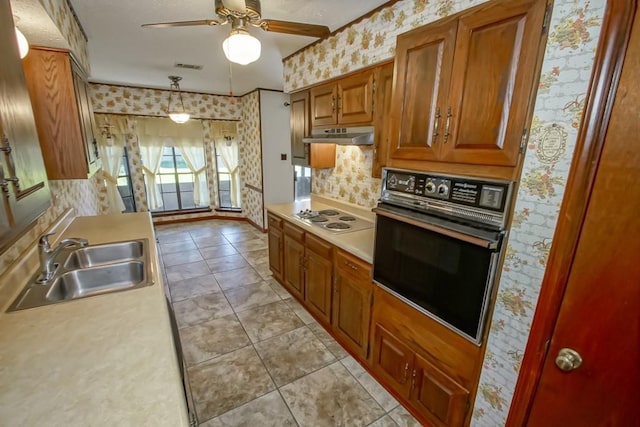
column 276, row 244
column 355, row 99
column 438, row 397
column 23, row 167
column 299, row 128
column 382, row 102
column 293, row 266
column 87, row 119
column 492, row 82
column 323, row 105
column 392, row 360
column 352, row 310
column 418, row 112
column 318, row 277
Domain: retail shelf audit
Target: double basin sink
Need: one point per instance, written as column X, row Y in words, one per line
column 91, row 270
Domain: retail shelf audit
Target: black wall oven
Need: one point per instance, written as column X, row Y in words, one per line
column 438, row 243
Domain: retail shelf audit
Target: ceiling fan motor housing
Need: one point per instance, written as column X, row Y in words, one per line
column 252, row 12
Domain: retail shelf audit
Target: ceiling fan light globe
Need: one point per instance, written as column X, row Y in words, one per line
column 23, row 44
column 241, row 47
column 179, row 117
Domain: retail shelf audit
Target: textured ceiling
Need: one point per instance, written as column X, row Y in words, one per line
column 122, row 52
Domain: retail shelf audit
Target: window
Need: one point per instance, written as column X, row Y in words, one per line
column 301, row 183
column 125, row 188
column 175, row 181
column 228, row 174
column 224, row 184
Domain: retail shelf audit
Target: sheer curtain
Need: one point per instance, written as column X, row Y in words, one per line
column 193, row 155
column 111, row 150
column 228, row 151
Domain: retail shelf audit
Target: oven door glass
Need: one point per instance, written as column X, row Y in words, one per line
column 447, row 277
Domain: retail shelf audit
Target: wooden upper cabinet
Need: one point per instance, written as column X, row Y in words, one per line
column 347, row 101
column 299, row 128
column 23, row 180
column 464, row 88
column 382, row 102
column 423, row 66
column 63, row 114
column 492, row 81
column 324, row 109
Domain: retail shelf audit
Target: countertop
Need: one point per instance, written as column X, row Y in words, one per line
column 104, row 360
column 358, row 243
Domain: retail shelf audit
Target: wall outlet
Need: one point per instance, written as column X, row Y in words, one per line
column 283, row 156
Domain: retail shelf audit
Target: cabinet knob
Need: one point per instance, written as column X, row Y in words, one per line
column 568, row 359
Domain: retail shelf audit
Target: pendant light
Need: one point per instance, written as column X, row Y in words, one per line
column 178, row 114
column 241, row 47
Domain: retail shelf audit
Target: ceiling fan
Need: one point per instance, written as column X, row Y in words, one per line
column 241, row 47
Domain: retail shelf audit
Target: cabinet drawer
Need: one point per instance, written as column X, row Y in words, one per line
column 275, row 222
column 318, row 246
column 294, row 232
column 352, row 265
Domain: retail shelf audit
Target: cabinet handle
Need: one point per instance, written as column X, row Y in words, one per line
column 333, row 103
column 339, row 103
column 95, row 148
column 348, row 264
column 406, row 371
column 11, row 165
column 436, row 126
column 448, row 125
column 413, row 379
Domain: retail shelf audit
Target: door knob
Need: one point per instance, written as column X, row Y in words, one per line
column 568, row 359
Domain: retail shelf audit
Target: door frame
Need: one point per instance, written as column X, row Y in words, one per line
column 612, row 46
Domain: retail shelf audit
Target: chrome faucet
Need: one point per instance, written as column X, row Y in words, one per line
column 47, row 254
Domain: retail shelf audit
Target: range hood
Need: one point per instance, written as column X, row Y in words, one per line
column 341, row 136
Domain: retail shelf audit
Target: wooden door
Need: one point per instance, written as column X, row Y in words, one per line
column 382, row 103
column 276, row 259
column 438, row 397
column 495, row 68
column 598, row 316
column 323, row 100
column 318, row 277
column 355, row 99
column 299, row 128
column 392, row 360
column 352, row 311
column 294, row 266
column 421, row 81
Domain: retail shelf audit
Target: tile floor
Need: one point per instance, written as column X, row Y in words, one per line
column 254, row 355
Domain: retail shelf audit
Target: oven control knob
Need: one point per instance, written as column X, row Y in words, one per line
column 443, row 190
column 430, row 187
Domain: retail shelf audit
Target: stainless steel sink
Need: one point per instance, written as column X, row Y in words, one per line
column 90, row 256
column 96, row 280
column 91, row 270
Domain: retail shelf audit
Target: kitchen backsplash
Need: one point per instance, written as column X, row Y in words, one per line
column 350, row 180
column 572, row 41
column 83, row 195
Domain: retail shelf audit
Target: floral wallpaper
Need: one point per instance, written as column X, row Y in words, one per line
column 351, row 179
column 250, row 142
column 81, row 194
column 153, row 102
column 62, row 15
column 572, row 41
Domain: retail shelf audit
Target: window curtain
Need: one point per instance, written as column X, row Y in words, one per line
column 193, row 155
column 227, row 147
column 111, row 145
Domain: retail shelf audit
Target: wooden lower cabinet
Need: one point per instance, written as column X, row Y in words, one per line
column 294, row 266
column 318, row 277
column 392, row 360
column 276, row 254
column 352, row 300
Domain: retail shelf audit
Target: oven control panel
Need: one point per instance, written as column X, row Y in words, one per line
column 423, row 191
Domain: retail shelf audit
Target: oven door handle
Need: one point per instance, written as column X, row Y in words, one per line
column 451, row 233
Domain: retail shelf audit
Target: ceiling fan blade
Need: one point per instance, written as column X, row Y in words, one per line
column 297, row 28
column 182, row 23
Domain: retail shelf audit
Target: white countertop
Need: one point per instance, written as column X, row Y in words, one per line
column 358, row 243
column 106, row 360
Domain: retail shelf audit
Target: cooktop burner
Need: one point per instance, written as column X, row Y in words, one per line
column 333, row 220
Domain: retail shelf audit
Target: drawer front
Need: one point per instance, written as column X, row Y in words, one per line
column 352, row 265
column 318, row 246
column 294, row 232
column 275, row 222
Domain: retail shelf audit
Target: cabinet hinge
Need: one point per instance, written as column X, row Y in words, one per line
column 547, row 19
column 523, row 142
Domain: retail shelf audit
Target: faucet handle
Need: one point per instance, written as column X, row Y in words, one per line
column 44, row 240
